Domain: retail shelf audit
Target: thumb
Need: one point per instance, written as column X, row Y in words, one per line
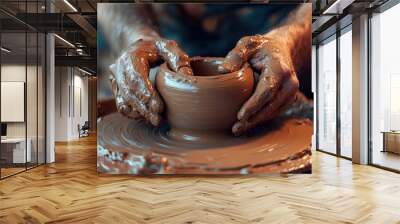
column 244, row 49
column 176, row 58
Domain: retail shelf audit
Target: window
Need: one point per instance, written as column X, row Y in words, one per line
column 327, row 95
column 385, row 89
column 346, row 92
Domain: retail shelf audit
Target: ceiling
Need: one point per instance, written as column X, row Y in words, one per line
column 332, row 15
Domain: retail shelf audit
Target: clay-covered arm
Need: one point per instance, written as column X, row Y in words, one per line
column 293, row 38
column 278, row 57
column 296, row 35
column 123, row 24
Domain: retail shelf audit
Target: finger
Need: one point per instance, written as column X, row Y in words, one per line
column 132, row 69
column 156, row 105
column 284, row 97
column 142, row 85
column 143, row 109
column 137, row 75
column 130, row 97
column 121, row 105
column 127, row 110
column 185, row 70
column 140, row 62
column 127, row 79
column 269, row 83
column 243, row 50
column 178, row 60
column 131, row 73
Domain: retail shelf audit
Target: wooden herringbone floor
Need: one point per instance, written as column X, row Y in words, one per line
column 70, row 191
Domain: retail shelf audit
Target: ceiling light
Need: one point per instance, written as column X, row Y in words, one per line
column 5, row 50
column 84, row 71
column 337, row 7
column 70, row 5
column 65, row 41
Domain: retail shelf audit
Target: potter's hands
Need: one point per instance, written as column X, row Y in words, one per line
column 277, row 85
column 135, row 95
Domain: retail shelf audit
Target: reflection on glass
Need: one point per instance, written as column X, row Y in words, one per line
column 14, row 153
column 385, row 84
column 22, row 91
column 327, row 96
column 346, row 94
column 31, row 97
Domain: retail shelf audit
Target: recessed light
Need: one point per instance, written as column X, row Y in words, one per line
column 5, row 50
column 64, row 40
column 84, row 71
column 70, row 5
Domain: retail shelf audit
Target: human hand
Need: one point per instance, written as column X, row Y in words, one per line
column 277, row 85
column 135, row 96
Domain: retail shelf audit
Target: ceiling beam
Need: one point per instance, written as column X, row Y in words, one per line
column 84, row 24
column 81, row 61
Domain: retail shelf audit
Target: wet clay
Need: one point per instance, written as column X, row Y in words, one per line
column 203, row 107
column 128, row 146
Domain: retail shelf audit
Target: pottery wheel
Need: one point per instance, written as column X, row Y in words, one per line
column 124, row 145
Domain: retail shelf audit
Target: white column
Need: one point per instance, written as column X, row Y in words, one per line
column 360, row 90
column 50, row 98
column 314, row 90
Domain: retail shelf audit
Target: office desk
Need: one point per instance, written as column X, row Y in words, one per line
column 391, row 141
column 13, row 150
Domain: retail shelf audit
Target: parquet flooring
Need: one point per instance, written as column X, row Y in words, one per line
column 10, row 171
column 71, row 191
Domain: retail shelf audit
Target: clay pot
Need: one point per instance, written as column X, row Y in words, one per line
column 203, row 106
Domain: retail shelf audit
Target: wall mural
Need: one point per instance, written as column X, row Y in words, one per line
column 204, row 88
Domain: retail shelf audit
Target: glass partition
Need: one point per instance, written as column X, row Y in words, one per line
column 14, row 153
column 346, row 92
column 385, row 89
column 22, row 78
column 31, row 97
column 327, row 95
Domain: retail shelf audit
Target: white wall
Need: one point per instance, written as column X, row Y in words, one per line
column 70, row 83
column 12, row 73
column 81, row 85
column 16, row 73
column 61, row 103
